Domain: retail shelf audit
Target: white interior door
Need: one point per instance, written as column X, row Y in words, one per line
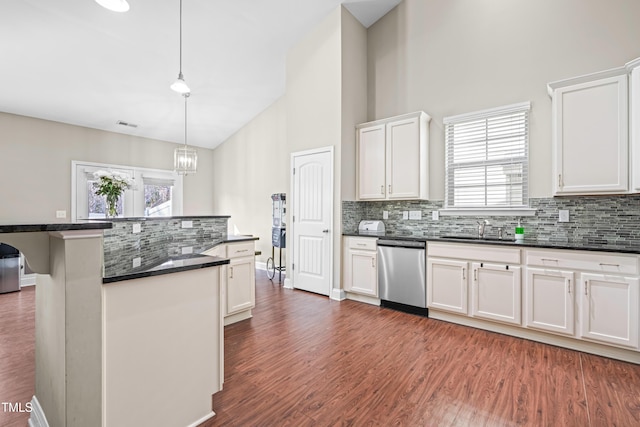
column 312, row 221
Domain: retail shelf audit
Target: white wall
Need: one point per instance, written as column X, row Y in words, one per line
column 247, row 169
column 449, row 57
column 35, row 166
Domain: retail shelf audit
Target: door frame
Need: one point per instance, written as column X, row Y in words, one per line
column 288, row 281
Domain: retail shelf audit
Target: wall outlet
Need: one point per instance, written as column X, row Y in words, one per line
column 137, row 228
column 61, row 214
column 405, row 214
column 563, row 216
column 187, row 224
column 435, row 215
column 385, row 214
column 415, row 214
column 136, row 262
column 187, row 250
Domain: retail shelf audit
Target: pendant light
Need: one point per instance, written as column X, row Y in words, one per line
column 180, row 85
column 185, row 159
column 114, row 5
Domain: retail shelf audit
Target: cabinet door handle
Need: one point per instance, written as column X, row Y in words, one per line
column 602, row 264
column 569, row 286
column 389, row 188
column 548, row 259
column 243, row 250
column 464, row 273
column 559, row 180
column 382, row 190
column 230, row 272
column 475, row 275
column 586, row 288
column 373, row 262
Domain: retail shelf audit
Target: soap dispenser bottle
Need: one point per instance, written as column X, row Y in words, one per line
column 519, row 232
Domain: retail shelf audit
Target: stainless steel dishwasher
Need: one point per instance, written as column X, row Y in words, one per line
column 402, row 280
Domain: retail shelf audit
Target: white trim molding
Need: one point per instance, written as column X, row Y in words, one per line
column 338, row 294
column 203, row 419
column 37, row 417
column 487, row 212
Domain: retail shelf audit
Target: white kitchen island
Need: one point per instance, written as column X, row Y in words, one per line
column 139, row 349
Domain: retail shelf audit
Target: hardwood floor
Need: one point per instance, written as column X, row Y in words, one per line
column 17, row 355
column 304, row 360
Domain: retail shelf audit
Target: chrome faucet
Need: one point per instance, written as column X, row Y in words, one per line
column 481, row 227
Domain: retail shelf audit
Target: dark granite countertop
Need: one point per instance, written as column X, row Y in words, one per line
column 155, row 218
column 63, row 226
column 171, row 265
column 526, row 243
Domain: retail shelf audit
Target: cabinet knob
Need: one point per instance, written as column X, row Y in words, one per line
column 325, row 231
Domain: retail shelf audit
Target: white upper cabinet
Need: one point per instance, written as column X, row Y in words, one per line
column 393, row 158
column 371, row 158
column 590, row 133
column 634, row 122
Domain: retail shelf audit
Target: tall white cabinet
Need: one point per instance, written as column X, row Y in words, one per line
column 634, row 122
column 590, row 133
column 393, row 158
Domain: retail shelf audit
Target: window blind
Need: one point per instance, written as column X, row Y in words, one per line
column 487, row 158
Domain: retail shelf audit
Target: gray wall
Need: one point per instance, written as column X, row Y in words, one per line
column 449, row 57
column 35, row 166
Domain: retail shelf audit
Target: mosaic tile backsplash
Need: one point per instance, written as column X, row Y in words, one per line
column 159, row 239
column 592, row 220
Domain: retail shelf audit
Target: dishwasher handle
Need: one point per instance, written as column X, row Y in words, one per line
column 411, row 244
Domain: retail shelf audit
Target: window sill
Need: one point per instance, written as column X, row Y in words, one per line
column 487, row 212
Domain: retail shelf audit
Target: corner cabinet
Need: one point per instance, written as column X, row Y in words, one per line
column 238, row 287
column 590, row 133
column 360, row 266
column 393, row 158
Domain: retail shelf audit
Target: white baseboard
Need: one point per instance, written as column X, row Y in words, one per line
column 261, row 265
column 27, row 280
column 203, row 419
column 338, row 294
column 37, row 417
column 287, row 283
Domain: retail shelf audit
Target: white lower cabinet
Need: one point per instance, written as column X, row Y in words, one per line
column 550, row 300
column 360, row 266
column 609, row 309
column 447, row 285
column 238, row 286
column 460, row 281
column 241, row 279
column 584, row 300
column 495, row 292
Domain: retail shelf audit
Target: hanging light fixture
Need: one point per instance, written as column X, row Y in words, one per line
column 114, row 5
column 180, row 85
column 185, row 159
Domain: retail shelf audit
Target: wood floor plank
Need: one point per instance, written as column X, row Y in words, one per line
column 613, row 391
column 17, row 354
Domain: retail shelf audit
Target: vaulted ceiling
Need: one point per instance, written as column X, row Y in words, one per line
column 73, row 61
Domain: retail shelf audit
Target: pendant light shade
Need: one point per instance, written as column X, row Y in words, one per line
column 180, row 85
column 185, row 159
column 114, row 5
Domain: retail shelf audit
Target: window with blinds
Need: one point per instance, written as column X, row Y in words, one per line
column 487, row 155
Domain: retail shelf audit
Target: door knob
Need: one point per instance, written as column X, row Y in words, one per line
column 325, row 231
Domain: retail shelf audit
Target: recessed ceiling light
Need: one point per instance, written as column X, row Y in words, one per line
column 114, row 5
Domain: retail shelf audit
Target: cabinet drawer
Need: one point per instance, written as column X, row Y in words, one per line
column 363, row 243
column 580, row 260
column 235, row 250
column 487, row 253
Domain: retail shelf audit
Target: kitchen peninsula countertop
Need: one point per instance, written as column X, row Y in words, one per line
column 527, row 243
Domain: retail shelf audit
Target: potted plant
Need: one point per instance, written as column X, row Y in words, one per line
column 112, row 185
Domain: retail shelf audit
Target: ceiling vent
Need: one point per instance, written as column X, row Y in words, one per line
column 122, row 123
